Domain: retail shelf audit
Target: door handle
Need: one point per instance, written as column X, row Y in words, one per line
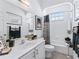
column 37, row 51
column 34, row 54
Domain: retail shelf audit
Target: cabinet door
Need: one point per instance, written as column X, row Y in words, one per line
column 30, row 55
column 40, row 51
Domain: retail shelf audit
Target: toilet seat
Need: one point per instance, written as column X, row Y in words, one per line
column 49, row 48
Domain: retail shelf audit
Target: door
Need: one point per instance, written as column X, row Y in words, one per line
column 30, row 55
column 46, row 34
column 40, row 51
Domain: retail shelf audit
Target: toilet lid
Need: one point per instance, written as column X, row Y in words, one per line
column 49, row 46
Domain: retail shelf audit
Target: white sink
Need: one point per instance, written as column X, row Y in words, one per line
column 24, row 44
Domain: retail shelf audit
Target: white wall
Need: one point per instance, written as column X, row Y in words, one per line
column 7, row 7
column 76, row 12
column 27, row 18
column 39, row 33
column 31, row 23
column 34, row 6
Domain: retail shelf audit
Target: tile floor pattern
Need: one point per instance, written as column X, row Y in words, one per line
column 57, row 55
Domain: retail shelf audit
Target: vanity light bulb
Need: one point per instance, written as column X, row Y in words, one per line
column 24, row 2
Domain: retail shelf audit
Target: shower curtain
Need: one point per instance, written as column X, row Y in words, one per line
column 46, row 33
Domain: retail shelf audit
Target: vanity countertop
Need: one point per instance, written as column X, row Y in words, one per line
column 22, row 48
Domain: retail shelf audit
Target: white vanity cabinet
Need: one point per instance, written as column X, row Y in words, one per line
column 34, row 49
column 37, row 53
column 30, row 55
column 40, row 51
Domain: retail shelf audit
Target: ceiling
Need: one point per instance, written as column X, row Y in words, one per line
column 76, row 4
column 47, row 3
column 39, row 5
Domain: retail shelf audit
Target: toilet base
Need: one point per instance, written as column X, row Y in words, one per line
column 48, row 54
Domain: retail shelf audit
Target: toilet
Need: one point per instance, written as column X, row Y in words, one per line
column 49, row 49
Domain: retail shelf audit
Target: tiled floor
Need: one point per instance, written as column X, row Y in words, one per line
column 57, row 55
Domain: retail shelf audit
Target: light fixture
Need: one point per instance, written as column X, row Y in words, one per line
column 24, row 2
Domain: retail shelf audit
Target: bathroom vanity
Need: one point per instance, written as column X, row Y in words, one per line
column 25, row 49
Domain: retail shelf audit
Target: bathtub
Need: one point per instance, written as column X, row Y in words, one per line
column 62, row 47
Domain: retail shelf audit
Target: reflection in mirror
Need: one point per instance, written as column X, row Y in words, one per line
column 76, row 39
column 14, row 32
